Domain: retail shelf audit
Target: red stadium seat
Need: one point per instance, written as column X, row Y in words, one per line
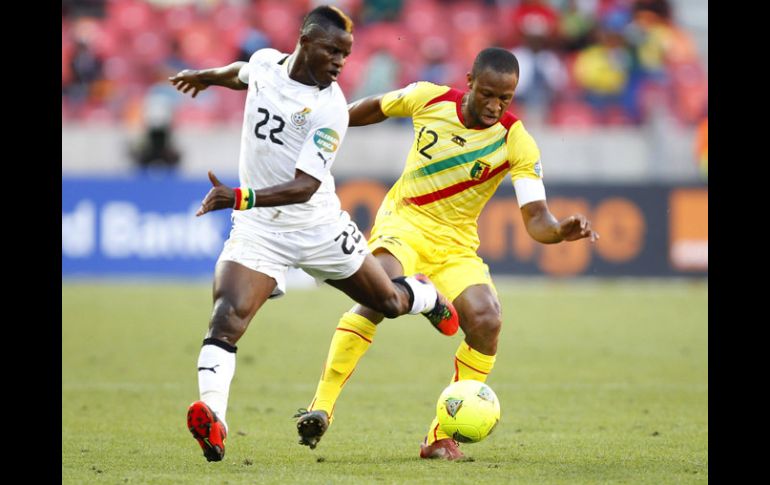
column 422, row 17
column 280, row 21
column 129, row 15
column 616, row 116
column 178, row 17
column 149, row 48
column 573, row 114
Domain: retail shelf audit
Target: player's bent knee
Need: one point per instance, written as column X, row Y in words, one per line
column 493, row 326
column 486, row 325
column 227, row 320
column 391, row 306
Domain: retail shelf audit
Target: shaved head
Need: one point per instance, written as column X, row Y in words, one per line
column 496, row 58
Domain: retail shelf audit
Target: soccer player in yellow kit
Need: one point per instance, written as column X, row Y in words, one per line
column 465, row 144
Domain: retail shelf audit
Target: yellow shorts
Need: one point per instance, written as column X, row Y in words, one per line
column 452, row 268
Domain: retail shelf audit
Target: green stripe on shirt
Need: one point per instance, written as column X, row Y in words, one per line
column 457, row 160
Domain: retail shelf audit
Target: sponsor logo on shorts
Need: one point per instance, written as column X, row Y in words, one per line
column 389, row 240
column 326, row 139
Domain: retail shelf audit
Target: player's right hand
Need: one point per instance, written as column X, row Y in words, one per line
column 577, row 227
column 220, row 196
column 186, row 80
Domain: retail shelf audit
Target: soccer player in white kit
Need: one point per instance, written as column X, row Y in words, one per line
column 287, row 213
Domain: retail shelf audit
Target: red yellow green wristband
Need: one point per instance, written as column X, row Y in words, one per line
column 244, row 198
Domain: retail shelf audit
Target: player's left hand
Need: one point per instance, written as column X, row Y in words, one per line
column 220, row 196
column 187, row 80
column 577, row 227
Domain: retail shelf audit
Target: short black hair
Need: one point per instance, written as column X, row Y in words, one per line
column 327, row 16
column 497, row 58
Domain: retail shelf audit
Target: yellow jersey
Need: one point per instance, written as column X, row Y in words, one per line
column 452, row 171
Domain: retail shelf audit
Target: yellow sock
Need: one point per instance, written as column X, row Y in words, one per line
column 351, row 340
column 469, row 364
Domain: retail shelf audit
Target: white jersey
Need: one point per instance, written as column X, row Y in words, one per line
column 288, row 125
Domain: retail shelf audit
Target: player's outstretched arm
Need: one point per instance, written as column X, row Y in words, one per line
column 198, row 80
column 296, row 191
column 366, row 111
column 545, row 228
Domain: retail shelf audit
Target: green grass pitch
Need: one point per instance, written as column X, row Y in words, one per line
column 600, row 382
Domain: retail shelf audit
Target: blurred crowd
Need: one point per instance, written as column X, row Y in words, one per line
column 583, row 62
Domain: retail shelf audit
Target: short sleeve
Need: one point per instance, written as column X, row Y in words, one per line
column 526, row 167
column 406, row 101
column 243, row 73
column 256, row 60
column 523, row 154
column 323, row 141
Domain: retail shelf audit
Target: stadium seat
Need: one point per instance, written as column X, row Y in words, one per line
column 136, row 36
column 178, row 17
column 422, row 17
column 573, row 114
column 129, row 16
column 617, row 116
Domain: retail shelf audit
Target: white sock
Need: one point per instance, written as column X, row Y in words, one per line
column 216, row 367
column 424, row 295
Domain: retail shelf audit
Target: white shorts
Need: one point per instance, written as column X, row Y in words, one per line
column 329, row 252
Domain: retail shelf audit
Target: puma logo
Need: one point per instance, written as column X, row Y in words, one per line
column 209, row 368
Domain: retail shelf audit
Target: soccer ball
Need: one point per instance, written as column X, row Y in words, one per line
column 468, row 411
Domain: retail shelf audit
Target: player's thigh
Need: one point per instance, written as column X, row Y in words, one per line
column 359, row 286
column 389, row 262
column 340, row 257
column 396, row 237
column 242, row 289
column 333, row 252
column 458, row 272
column 262, row 258
column 370, row 285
